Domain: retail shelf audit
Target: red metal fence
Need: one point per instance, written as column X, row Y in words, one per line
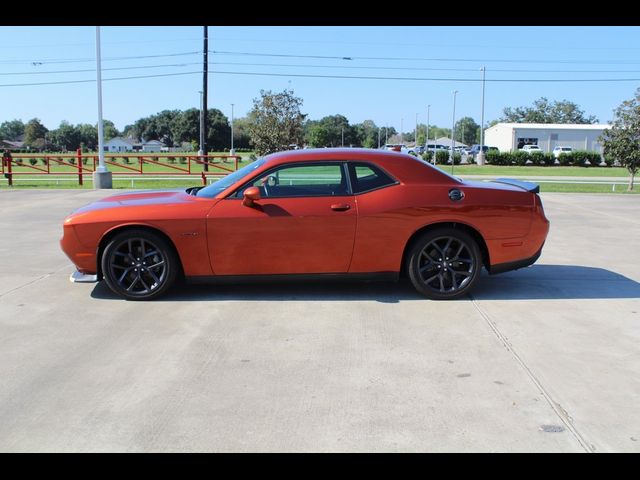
column 80, row 164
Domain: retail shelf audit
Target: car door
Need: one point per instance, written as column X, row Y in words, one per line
column 304, row 223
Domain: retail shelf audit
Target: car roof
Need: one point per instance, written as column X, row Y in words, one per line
column 404, row 167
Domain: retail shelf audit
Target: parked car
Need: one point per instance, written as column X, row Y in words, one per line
column 557, row 151
column 436, row 146
column 531, row 148
column 322, row 213
column 475, row 149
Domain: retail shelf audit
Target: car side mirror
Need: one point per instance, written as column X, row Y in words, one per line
column 250, row 195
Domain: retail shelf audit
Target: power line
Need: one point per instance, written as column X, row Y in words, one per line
column 93, row 80
column 352, row 77
column 84, row 70
column 89, row 44
column 477, row 60
column 438, row 45
column 85, row 60
column 511, row 70
column 173, row 65
column 423, row 79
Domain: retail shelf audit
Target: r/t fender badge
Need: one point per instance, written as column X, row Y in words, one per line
column 189, row 234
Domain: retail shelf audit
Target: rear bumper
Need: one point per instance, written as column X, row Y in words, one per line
column 508, row 266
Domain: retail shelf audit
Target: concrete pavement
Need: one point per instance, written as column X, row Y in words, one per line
column 541, row 359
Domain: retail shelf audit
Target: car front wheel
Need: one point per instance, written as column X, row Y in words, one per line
column 444, row 264
column 139, row 265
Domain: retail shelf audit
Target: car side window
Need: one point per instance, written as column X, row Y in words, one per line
column 318, row 180
column 365, row 177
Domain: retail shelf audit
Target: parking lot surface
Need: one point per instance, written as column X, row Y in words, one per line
column 541, row 359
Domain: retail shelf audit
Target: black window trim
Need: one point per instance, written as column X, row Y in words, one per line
column 345, row 164
column 369, row 164
column 342, row 163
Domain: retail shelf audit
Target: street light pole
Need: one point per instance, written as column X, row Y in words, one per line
column 233, row 151
column 101, row 177
column 453, row 129
column 481, row 152
column 426, row 143
column 201, row 150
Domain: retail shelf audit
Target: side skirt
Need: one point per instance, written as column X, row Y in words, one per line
column 298, row 277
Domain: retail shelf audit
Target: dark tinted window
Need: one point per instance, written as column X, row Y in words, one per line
column 302, row 181
column 365, row 177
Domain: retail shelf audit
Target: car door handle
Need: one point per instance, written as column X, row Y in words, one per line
column 340, row 207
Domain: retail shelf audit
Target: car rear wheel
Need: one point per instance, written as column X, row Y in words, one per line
column 139, row 265
column 444, row 264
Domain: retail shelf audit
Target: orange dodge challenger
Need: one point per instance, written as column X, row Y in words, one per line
column 310, row 214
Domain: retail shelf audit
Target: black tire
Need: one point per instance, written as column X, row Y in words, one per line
column 444, row 263
column 139, row 264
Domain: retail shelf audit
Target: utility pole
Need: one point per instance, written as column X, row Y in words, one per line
column 379, row 137
column 233, row 150
column 453, row 129
column 101, row 177
column 205, row 72
column 481, row 152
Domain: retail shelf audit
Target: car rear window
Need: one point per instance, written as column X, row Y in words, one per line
column 365, row 177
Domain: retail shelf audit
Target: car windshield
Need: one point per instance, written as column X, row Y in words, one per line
column 225, row 182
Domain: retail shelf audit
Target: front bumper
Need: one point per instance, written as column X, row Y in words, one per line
column 78, row 277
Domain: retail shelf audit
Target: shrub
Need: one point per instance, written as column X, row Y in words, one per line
column 565, row 159
column 44, row 161
column 125, row 160
column 581, row 157
column 33, row 161
column 171, row 159
column 183, row 160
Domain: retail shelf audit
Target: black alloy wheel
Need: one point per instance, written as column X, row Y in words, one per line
column 444, row 263
column 139, row 265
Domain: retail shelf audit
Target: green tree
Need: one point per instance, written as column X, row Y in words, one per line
column 218, row 131
column 241, row 137
column 34, row 130
column 275, row 121
column 544, row 111
column 88, row 136
column 622, row 140
column 110, row 130
column 467, row 131
column 328, row 131
column 186, row 127
column 64, row 138
column 11, row 130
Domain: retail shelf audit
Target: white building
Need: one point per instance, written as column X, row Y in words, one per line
column 513, row 136
column 121, row 144
column 152, row 146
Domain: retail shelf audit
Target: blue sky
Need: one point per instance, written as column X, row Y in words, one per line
column 423, row 52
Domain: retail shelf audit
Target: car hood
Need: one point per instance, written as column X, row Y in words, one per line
column 141, row 198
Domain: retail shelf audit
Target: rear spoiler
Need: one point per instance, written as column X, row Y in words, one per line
column 528, row 186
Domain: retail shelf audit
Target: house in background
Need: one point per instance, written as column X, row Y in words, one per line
column 121, row 144
column 152, row 146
